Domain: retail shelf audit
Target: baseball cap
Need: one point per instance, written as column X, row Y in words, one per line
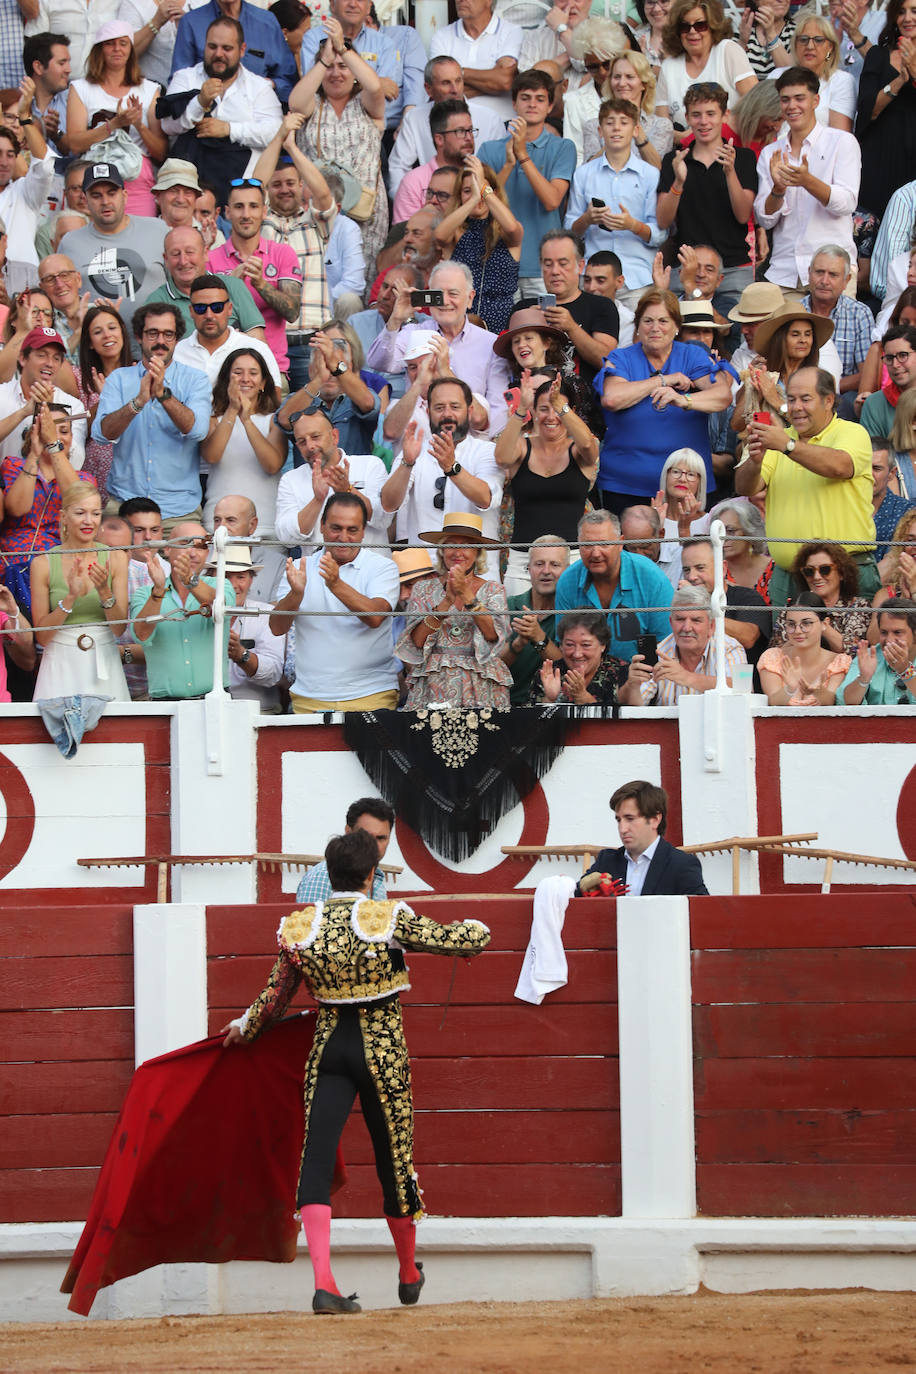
column 40, row 337
column 102, row 171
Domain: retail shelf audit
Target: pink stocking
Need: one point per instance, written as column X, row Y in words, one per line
column 316, row 1222
column 404, row 1234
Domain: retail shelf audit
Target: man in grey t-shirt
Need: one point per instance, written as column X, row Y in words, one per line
column 119, row 256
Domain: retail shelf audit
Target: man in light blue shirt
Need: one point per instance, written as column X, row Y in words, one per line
column 156, row 414
column 610, row 579
column 612, row 200
column 376, row 817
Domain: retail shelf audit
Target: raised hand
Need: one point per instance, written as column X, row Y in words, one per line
column 576, row 688
column 661, row 275
column 442, row 447
column 77, row 578
column 528, row 626
column 151, row 559
column 296, row 576
column 726, row 155
column 412, row 444
column 779, row 173
column 679, row 166
column 329, row 569
column 338, row 475
column 659, row 502
column 867, row 659
column 334, row 31
column 551, row 683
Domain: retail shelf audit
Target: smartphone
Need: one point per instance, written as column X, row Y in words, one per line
column 247, row 643
column 598, row 204
column 421, row 298
column 547, row 300
column 763, row 417
column 512, row 397
column 647, row 646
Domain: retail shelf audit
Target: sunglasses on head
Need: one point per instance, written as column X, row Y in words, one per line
column 246, row 181
column 694, row 26
column 817, row 570
column 201, row 307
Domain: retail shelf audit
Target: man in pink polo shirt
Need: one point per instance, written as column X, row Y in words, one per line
column 270, row 270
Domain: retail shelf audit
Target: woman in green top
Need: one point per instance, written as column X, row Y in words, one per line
column 78, row 587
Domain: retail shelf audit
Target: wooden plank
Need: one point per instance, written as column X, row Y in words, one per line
column 522, row 1029
column 65, row 1035
column 804, row 1084
column 96, row 981
column 496, row 1190
column 47, row 1089
column 804, row 975
column 45, row 1194
column 54, row 933
column 64, row 1140
column 790, row 921
column 806, row 1190
column 532, row 1137
column 504, row 1084
column 487, row 979
column 814, row 1028
column 809, row 1137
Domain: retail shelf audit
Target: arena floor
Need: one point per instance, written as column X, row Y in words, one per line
column 776, row 1333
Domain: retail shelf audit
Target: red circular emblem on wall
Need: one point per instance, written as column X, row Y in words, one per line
column 502, row 878
column 20, row 816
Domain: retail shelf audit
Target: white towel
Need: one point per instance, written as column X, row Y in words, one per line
column 544, row 965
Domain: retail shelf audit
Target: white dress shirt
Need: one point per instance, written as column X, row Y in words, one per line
column 418, row 511
column 499, row 39
column 367, row 477
column 801, row 224
column 249, row 106
column 22, row 203
column 12, row 398
column 638, row 868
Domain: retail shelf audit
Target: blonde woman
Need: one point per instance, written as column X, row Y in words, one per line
column 631, row 78
column 479, row 230
column 817, row 48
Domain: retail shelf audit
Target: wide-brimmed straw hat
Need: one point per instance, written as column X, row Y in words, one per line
column 823, row 328
column 466, row 523
column 413, row 563
column 700, row 315
column 758, row 301
column 522, row 320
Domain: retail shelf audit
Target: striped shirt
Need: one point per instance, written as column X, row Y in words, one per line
column 666, row 693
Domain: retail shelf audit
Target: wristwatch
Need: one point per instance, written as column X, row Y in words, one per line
column 696, row 294
column 245, row 656
column 166, row 394
column 541, row 644
column 340, row 369
column 193, row 580
column 454, row 470
column 561, row 28
column 784, row 408
column 791, row 445
column 55, row 446
column 107, row 605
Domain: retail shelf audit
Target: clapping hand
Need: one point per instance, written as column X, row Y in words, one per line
column 867, row 659
column 442, row 447
column 726, row 155
column 575, row 688
column 296, row 576
column 329, row 569
column 661, row 275
column 180, row 561
column 412, row 444
column 457, row 586
column 528, row 626
column 78, row 578
column 100, row 578
column 659, row 503
column 551, row 683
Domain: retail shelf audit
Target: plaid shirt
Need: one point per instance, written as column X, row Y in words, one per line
column 10, row 44
column 39, row 529
column 853, row 323
column 315, row 885
column 307, row 234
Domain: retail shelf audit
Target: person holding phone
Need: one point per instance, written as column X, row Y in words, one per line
column 255, row 654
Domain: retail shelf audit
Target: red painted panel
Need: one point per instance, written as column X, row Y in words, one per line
column 780, row 1084
column 800, row 1029
column 821, row 921
column 553, row 1137
column 45, row 1195
column 66, row 930
column 833, row 975
column 53, row 1142
column 810, row 1137
column 495, row 1190
column 806, row 1190
column 93, row 1034
column 98, row 981
column 504, row 1084
column 97, row 1086
column 489, row 978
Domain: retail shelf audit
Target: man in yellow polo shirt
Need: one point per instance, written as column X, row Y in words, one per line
column 817, row 475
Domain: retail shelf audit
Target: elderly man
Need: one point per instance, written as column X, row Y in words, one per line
column 417, row 245
column 41, row 357
column 175, row 191
column 453, row 139
column 470, row 348
column 443, row 80
column 240, row 517
column 748, row 619
column 899, row 357
column 171, row 618
column 255, row 654
column 443, row 470
column 185, row 259
column 487, row 49
column 620, row 583
column 376, row 817
column 885, row 675
column 58, row 277
column 155, row 414
column 368, row 324
column 828, row 277
column 590, row 323
column 686, row 659
column 345, row 661
column 817, row 477
column 212, row 340
column 265, row 53
column 642, row 532
column 534, row 623
column 327, row 469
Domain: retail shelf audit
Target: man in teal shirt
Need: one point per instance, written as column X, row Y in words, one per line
column 184, row 257
column 179, row 649
column 534, row 622
column 885, row 676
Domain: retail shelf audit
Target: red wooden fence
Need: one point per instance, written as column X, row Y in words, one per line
column 804, row 1038
column 517, row 1105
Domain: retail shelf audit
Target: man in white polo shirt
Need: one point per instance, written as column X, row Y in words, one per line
column 327, row 469
column 486, row 48
column 344, row 662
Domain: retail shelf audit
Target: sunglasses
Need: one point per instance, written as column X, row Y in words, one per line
column 201, row 307
column 593, row 67
column 817, row 570
column 694, row 26
column 247, row 181
column 439, row 498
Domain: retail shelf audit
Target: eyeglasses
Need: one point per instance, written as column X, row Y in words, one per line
column 899, row 357
column 247, row 181
column 694, row 26
column 818, row 570
column 167, row 334
column 682, row 472
column 465, row 130
column 600, row 66
column 201, row 307
column 440, row 196
column 439, row 498
column 794, row 627
column 51, row 278
column 817, row 39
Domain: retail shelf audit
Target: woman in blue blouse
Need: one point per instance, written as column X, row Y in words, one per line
column 657, row 395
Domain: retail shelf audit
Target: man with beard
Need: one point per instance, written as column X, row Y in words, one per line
column 269, row 269
column 213, row 338
column 230, row 112
column 155, row 414
column 118, row 256
column 343, row 662
column 265, row 51
column 326, row 469
column 444, row 470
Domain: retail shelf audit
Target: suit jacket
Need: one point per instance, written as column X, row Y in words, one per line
column 671, row 872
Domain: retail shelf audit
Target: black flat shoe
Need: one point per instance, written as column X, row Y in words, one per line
column 409, row 1293
column 324, row 1302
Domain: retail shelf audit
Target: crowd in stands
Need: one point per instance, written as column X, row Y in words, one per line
column 465, row 344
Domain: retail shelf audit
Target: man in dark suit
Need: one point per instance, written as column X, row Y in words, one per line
column 646, row 862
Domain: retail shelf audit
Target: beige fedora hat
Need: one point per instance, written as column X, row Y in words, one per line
column 413, row 563
column 758, row 301
column 466, row 523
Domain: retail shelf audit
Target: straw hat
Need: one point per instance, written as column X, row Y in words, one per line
column 238, row 559
column 758, row 301
column 176, row 172
column 823, row 328
column 413, row 564
column 700, row 315
column 466, row 523
column 532, row 318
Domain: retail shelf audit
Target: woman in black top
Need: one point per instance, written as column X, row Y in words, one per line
column 886, row 113
column 550, row 457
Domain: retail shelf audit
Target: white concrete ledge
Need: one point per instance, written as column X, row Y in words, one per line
column 491, row 1260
